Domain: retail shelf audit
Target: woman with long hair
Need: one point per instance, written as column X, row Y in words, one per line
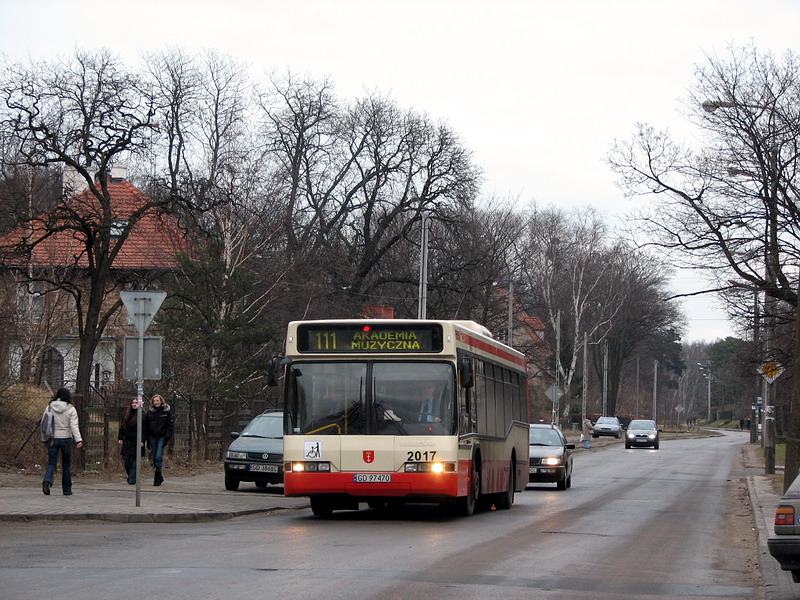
column 158, row 425
column 65, row 432
column 127, row 440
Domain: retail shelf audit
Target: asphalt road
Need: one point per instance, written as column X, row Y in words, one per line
column 636, row 523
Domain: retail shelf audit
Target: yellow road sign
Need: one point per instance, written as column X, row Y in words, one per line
column 770, row 371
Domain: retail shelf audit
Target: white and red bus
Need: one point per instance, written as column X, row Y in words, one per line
column 390, row 411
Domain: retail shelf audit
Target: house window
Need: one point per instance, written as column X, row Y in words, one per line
column 30, row 300
column 117, row 227
column 53, row 369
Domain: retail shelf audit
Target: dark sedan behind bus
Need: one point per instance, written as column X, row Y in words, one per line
column 550, row 456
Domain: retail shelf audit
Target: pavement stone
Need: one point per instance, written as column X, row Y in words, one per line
column 180, row 499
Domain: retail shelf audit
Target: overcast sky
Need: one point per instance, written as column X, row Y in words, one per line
column 538, row 89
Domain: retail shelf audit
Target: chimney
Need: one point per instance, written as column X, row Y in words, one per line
column 119, row 173
column 72, row 182
column 377, row 311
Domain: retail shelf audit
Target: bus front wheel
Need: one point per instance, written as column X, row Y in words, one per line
column 467, row 504
column 321, row 507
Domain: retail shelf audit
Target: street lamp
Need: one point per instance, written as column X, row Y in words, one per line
column 708, row 376
column 712, row 105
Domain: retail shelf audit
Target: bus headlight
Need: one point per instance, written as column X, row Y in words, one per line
column 308, row 467
column 430, row 467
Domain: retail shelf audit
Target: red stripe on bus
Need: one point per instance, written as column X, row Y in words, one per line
column 490, row 348
column 402, row 484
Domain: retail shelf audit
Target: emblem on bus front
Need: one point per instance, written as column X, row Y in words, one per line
column 369, row 456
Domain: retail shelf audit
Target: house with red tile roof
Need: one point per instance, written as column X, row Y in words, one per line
column 52, row 249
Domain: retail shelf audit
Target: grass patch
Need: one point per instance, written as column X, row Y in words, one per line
column 21, row 408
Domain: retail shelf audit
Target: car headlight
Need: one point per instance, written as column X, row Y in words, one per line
column 552, row 461
column 631, row 435
column 237, row 455
column 652, row 436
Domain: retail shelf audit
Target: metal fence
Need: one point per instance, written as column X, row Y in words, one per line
column 202, row 428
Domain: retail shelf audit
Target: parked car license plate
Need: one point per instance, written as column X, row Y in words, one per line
column 264, row 468
column 372, row 477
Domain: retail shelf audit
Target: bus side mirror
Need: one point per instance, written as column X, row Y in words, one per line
column 465, row 373
column 272, row 370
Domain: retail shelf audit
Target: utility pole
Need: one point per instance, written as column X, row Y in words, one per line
column 510, row 338
column 422, row 310
column 655, row 387
column 637, row 387
column 605, row 379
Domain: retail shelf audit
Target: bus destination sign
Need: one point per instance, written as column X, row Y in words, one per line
column 369, row 338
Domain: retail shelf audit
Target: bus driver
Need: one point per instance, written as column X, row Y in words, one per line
column 426, row 409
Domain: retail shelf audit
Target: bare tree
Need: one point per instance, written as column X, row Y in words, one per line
column 568, row 266
column 357, row 180
column 84, row 113
column 732, row 207
column 214, row 163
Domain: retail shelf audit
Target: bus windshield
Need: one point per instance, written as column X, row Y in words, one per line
column 371, row 398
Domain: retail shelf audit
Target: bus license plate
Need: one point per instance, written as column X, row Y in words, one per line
column 372, row 477
column 264, row 468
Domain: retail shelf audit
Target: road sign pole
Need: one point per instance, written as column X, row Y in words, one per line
column 142, row 307
column 140, row 403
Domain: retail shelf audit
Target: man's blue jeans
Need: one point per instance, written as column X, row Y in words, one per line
column 157, row 452
column 53, row 447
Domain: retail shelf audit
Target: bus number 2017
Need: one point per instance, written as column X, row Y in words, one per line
column 421, row 455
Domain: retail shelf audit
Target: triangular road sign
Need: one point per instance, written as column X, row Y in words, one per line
column 142, row 307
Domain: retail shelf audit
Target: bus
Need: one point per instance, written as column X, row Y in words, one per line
column 393, row 411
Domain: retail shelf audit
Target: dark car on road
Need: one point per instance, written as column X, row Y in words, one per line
column 550, row 456
column 642, row 432
column 607, row 426
column 784, row 546
column 256, row 454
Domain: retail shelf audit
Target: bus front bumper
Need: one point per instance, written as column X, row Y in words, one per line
column 387, row 485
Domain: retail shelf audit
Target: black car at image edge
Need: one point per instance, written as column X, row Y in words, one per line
column 784, row 546
column 256, row 454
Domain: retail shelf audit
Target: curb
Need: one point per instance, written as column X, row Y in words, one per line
column 144, row 518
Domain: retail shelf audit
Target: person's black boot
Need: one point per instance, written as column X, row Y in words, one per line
column 158, row 479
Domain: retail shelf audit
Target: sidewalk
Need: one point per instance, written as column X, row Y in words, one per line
column 180, row 499
column 778, row 584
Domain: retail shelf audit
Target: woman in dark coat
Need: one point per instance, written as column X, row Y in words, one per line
column 158, row 426
column 127, row 441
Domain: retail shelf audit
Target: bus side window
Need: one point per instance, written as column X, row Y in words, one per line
column 463, row 410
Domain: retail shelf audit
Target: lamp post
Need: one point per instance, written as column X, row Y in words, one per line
column 708, row 376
